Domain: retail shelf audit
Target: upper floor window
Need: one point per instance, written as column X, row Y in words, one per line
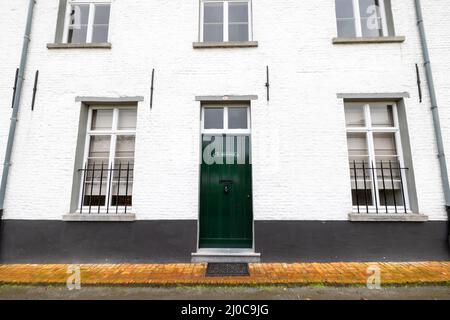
column 224, row 21
column 364, row 18
column 87, row 22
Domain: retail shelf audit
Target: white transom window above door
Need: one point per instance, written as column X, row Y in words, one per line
column 87, row 21
column 228, row 118
column 225, row 21
column 377, row 167
column 108, row 171
column 364, row 18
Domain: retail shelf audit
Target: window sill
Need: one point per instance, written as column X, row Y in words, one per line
column 394, row 217
column 231, row 44
column 368, row 40
column 94, row 217
column 105, row 45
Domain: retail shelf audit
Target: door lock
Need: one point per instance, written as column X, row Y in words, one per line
column 226, row 189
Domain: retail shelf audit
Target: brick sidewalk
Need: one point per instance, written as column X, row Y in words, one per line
column 420, row 273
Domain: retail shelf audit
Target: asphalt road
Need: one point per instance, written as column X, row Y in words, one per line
column 205, row 293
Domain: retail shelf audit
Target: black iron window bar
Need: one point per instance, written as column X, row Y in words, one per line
column 106, row 197
column 388, row 176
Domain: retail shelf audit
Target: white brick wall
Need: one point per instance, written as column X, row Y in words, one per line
column 299, row 142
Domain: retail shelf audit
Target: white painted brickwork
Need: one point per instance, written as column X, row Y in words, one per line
column 300, row 164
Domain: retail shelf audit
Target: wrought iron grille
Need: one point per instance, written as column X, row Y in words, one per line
column 380, row 188
column 106, row 189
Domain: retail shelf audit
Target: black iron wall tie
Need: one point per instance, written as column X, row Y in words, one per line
column 419, row 83
column 36, row 78
column 152, row 89
column 15, row 88
column 267, row 83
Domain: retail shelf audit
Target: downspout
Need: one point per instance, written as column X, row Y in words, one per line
column 434, row 110
column 12, row 127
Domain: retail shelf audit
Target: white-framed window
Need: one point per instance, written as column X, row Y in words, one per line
column 223, row 119
column 108, row 171
column 364, row 18
column 377, row 168
column 87, row 21
column 224, row 21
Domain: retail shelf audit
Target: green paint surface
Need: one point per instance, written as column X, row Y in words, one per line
column 226, row 217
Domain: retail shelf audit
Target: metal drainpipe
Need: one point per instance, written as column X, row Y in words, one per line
column 12, row 128
column 434, row 109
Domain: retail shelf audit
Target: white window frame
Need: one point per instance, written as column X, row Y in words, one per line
column 225, row 129
column 90, row 27
column 113, row 133
column 368, row 129
column 225, row 18
column 357, row 16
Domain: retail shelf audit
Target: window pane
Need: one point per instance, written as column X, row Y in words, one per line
column 345, row 19
column 102, row 12
column 238, row 21
column 100, row 34
column 102, row 119
column 122, row 189
column 357, row 147
column 371, row 27
column 77, row 34
column 354, row 115
column 360, row 175
column 213, row 32
column 238, row 32
column 213, row 118
column 382, row 115
column 238, row 12
column 385, row 147
column 237, row 118
column 79, row 14
column 125, row 150
column 213, row 12
column 371, row 23
column 346, row 28
column 344, row 9
column 99, row 149
column 79, row 17
column 213, row 22
column 127, row 119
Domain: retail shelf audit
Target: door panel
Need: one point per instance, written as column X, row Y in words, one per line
column 226, row 218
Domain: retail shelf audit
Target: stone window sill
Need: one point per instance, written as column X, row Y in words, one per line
column 368, row 40
column 105, row 45
column 395, row 217
column 93, row 217
column 231, row 44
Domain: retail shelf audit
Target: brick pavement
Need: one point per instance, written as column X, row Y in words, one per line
column 345, row 274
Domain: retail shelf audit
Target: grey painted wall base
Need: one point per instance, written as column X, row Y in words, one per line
column 97, row 242
column 326, row 241
column 25, row 241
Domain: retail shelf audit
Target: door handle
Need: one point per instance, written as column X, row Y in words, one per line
column 226, row 189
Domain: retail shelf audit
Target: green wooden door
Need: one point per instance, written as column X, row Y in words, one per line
column 226, row 217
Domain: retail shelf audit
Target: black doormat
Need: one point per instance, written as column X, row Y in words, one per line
column 227, row 269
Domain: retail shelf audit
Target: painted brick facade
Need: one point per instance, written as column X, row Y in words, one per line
column 300, row 161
